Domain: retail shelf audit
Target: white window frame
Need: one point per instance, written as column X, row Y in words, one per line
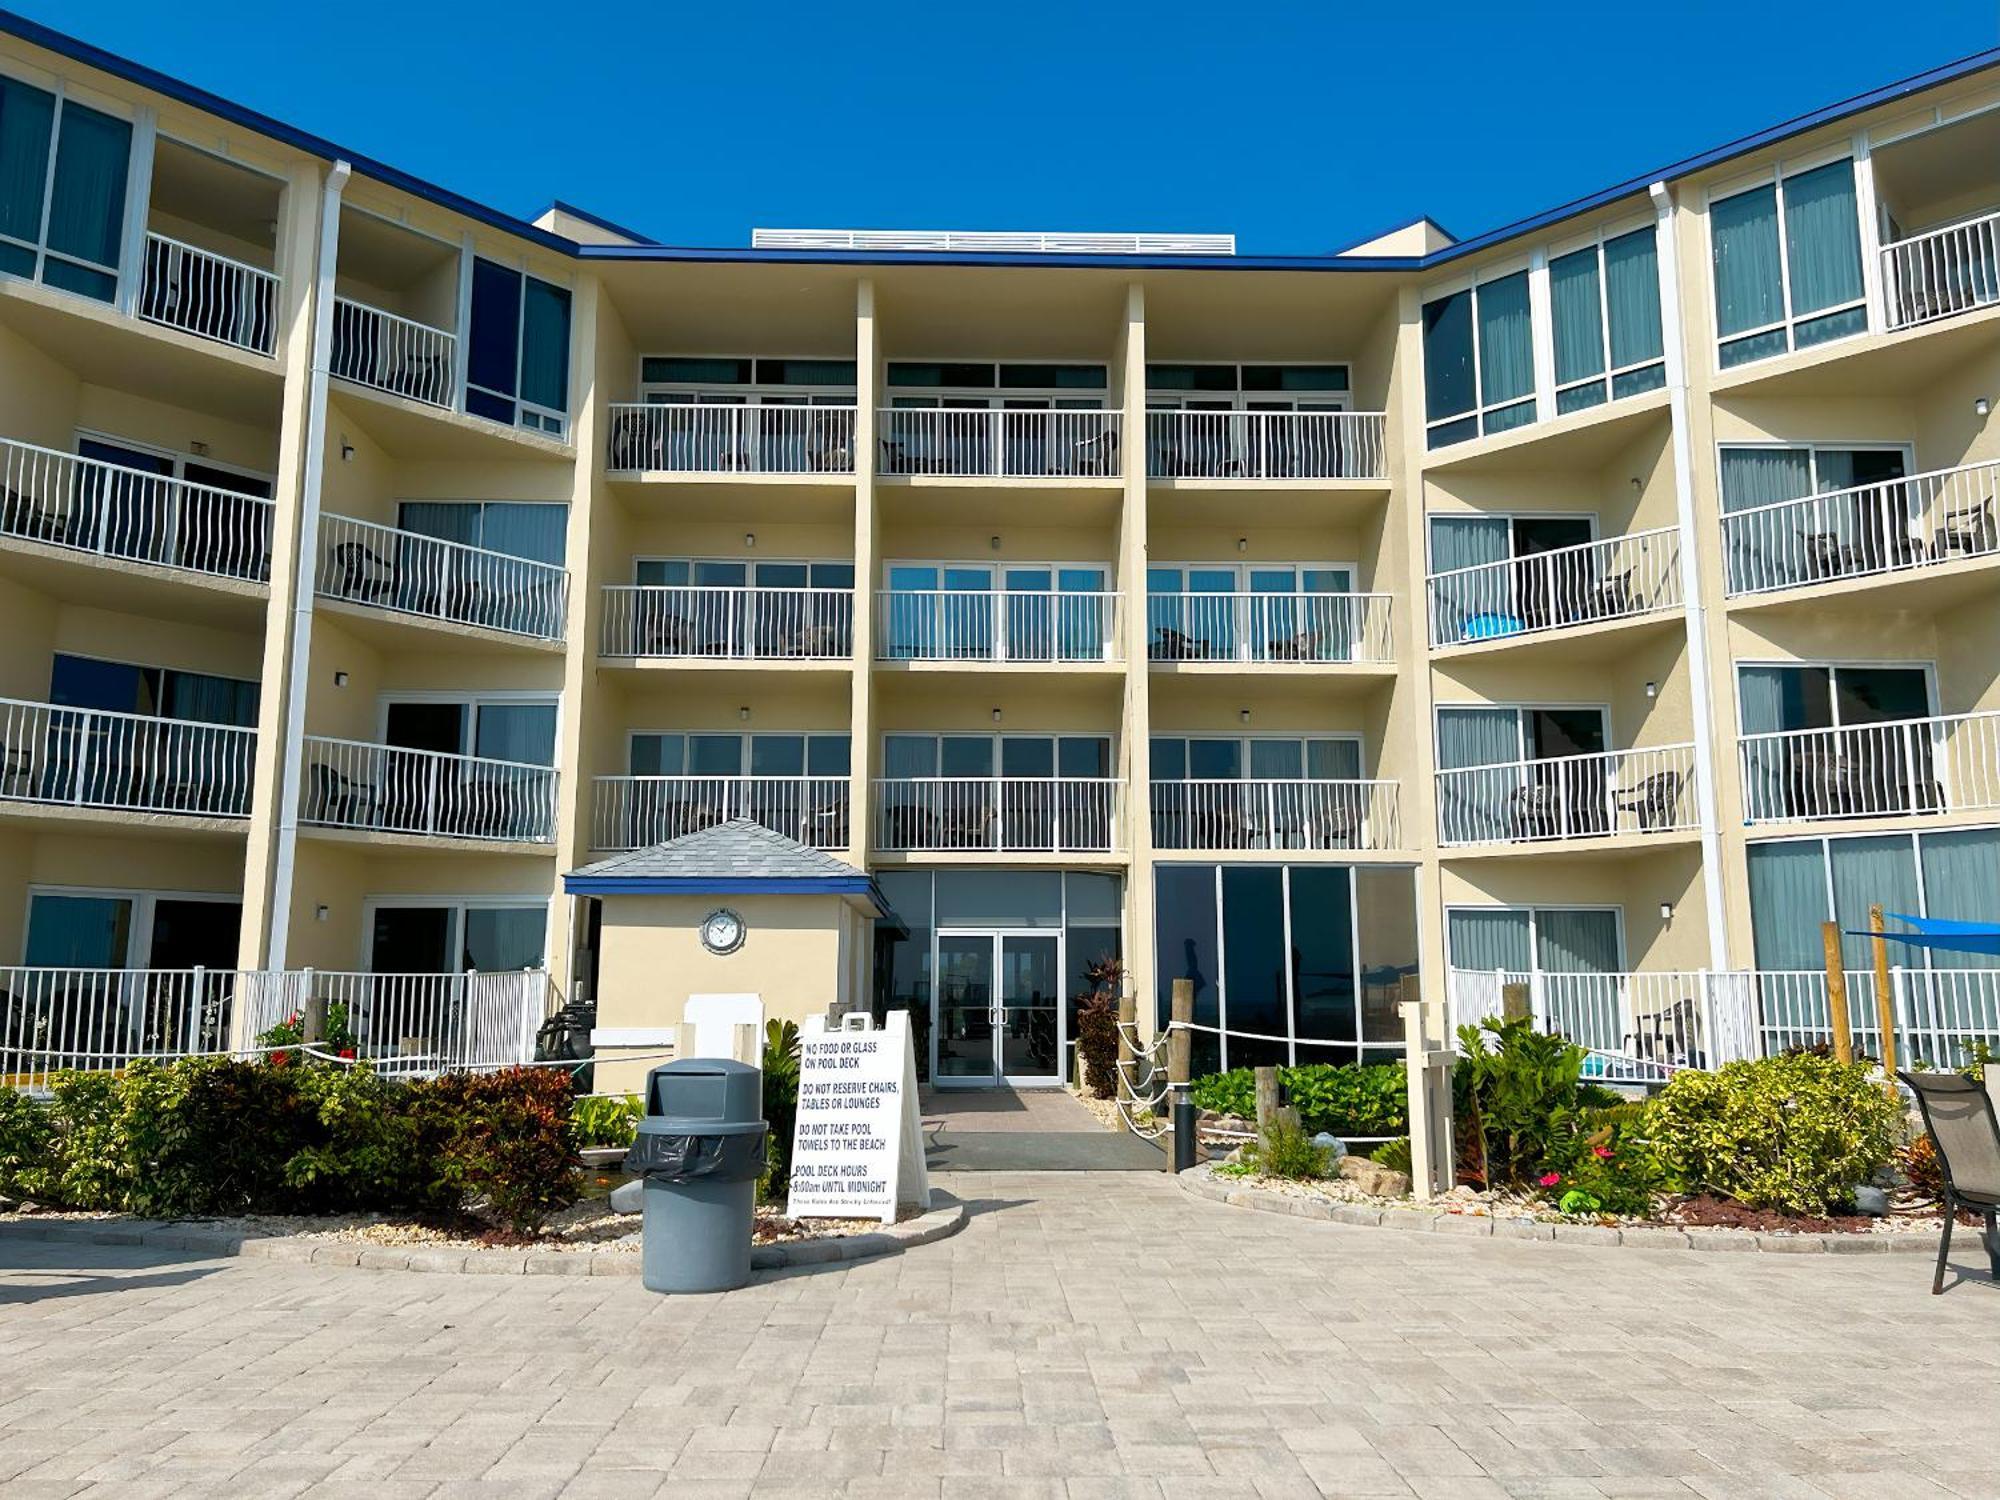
column 473, row 701
column 1301, row 738
column 997, row 737
column 1607, row 378
column 179, row 459
column 1835, row 666
column 458, row 906
column 528, row 415
column 1479, row 411
column 750, row 564
column 1812, row 450
column 1521, row 710
column 1533, row 910
column 1774, row 176
column 750, row 393
column 1239, row 399
column 743, row 738
column 139, row 939
column 995, row 397
column 136, row 194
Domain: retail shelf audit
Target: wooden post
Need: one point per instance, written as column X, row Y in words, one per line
column 1516, row 1003
column 1836, row 992
column 1128, row 1016
column 1885, row 998
column 313, row 1026
column 1267, row 1096
column 1428, row 1059
column 1179, row 1056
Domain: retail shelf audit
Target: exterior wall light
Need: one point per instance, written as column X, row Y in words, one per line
column 1243, row 716
column 1982, row 405
column 1666, row 911
column 996, row 716
column 321, row 913
column 1652, row 690
column 340, row 679
column 346, row 451
column 749, row 538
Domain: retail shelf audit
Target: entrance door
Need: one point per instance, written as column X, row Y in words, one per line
column 999, row 1011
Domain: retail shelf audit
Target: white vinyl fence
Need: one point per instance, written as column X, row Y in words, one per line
column 1637, row 1027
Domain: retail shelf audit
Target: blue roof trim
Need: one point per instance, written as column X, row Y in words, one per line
column 77, row 50
column 556, row 205
column 39, row 35
column 723, row 885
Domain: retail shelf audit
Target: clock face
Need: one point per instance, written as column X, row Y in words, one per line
column 722, row 931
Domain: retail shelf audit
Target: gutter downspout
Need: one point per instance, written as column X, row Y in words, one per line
column 299, row 683
column 1692, row 607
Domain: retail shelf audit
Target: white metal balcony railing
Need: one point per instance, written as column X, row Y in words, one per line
column 200, row 292
column 1000, row 814
column 1274, row 814
column 686, row 439
column 87, row 757
column 1638, row 1027
column 636, row 812
column 1265, row 445
column 56, row 1019
column 1942, row 272
column 364, row 563
column 1946, row 763
column 390, row 789
column 1297, row 627
column 1012, row 625
column 1939, row 1013
column 976, row 442
column 108, row 510
column 1895, row 526
column 1647, row 790
column 394, row 354
column 759, row 624
column 1613, row 579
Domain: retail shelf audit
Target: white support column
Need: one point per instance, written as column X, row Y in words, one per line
column 462, row 333
column 1542, row 332
column 138, row 199
column 1692, row 607
column 312, row 481
column 1871, row 233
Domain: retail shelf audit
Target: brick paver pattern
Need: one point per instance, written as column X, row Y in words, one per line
column 1096, row 1336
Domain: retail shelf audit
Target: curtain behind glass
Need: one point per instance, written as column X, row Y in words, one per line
column 27, row 120
column 1822, row 238
column 524, row 732
column 1632, row 296
column 1333, row 760
column 1576, row 942
column 1489, row 940
column 1579, row 331
column 1787, row 905
column 1749, row 287
column 1961, row 874
column 499, row 940
column 446, row 520
column 87, row 207
column 1761, row 554
column 1464, row 542
column 545, row 345
column 78, row 932
column 209, row 700
column 1867, row 871
column 1448, row 356
column 1477, row 737
column 535, row 532
column 1506, row 343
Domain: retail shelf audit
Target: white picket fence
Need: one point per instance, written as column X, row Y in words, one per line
column 58, row 1019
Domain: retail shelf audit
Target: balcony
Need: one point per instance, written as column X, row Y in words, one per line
column 999, row 815
column 395, row 354
column 350, row 784
column 1265, row 445
column 1270, row 628
column 1942, row 272
column 107, row 510
column 209, row 295
column 684, row 621
column 1607, row 795
column 379, row 566
column 999, row 444
column 1638, row 1027
column 1039, row 626
column 676, row 438
column 1944, row 764
column 1289, row 814
column 86, row 757
column 636, row 812
column 1866, row 530
column 1618, row 578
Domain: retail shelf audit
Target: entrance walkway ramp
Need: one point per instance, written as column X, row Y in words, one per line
column 1025, row 1130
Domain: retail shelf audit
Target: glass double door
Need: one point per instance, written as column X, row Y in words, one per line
column 999, row 1011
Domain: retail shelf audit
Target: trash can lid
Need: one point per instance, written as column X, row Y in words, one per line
column 679, row 1125
column 700, row 1093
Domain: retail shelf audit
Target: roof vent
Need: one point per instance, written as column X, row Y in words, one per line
column 992, row 242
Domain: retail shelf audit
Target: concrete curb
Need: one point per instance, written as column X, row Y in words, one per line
column 945, row 1218
column 1203, row 1184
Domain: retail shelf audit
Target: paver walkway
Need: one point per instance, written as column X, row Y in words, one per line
column 1086, row 1336
column 1044, row 1130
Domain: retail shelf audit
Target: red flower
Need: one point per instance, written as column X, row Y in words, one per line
column 348, row 1054
column 1551, row 1179
column 280, row 1058
column 1602, row 1153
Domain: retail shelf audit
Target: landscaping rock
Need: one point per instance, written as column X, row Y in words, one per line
column 629, row 1197
column 1331, row 1143
column 1871, row 1201
column 1373, row 1178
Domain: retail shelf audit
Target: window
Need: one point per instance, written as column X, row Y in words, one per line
column 1569, row 957
column 453, row 937
column 1787, row 261
column 1250, row 387
column 1261, row 757
column 1863, row 524
column 159, row 692
column 522, row 732
column 1032, row 756
column 672, row 754
column 517, row 359
column 1289, row 963
column 1013, row 377
column 1251, row 611
column 73, row 929
column 1605, row 306
column 996, row 612
column 524, row 529
column 63, row 171
column 1809, row 751
column 682, row 370
column 1479, row 361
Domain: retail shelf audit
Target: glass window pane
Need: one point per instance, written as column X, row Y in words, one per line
column 1169, row 759
column 999, row 898
column 27, row 120
column 545, row 345
column 1632, row 295
column 1506, row 342
column 715, row 755
column 1579, row 329
column 1083, row 755
column 523, row 732
column 1323, row 990
column 494, row 344
column 1254, row 957
column 1185, row 947
column 1787, row 904
column 828, row 755
column 1027, row 756
column 1822, row 238
column 965, row 755
column 87, row 204
column 777, row 754
column 1214, row 760
column 1448, row 356
column 1277, row 760
column 78, row 932
column 1385, row 907
column 658, row 754
column 1748, row 286
column 1487, row 939
column 1091, row 900
column 1866, row 871
column 503, row 939
column 905, row 755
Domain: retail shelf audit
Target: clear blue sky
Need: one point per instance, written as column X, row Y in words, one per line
column 1299, row 126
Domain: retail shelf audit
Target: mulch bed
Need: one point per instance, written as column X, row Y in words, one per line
column 1725, row 1213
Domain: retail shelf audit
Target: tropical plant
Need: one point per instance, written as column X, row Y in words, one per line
column 604, row 1120
column 1795, row 1133
column 1516, row 1101
column 1286, row 1149
column 781, row 1100
column 338, row 1036
column 1347, row 1101
column 1097, row 1025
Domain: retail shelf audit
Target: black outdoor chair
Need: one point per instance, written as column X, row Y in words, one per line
column 1654, row 801
column 363, row 575
column 1959, row 1115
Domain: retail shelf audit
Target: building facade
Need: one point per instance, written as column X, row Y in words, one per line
column 1603, row 602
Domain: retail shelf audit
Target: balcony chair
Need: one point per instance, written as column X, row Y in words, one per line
column 363, row 574
column 1827, row 556
column 1610, row 599
column 1335, row 825
column 1967, row 532
column 636, row 443
column 338, row 799
column 17, row 771
column 27, row 517
column 966, row 827
column 1669, row 1037
column 1302, row 646
column 1655, row 801
column 825, row 826
column 1097, row 454
column 1174, row 645
column 831, row 446
column 907, row 826
column 1959, row 1115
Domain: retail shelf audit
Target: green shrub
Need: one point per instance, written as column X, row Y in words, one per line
column 1793, row 1133
column 1516, row 1102
column 338, row 1037
column 1343, row 1101
column 1097, row 1043
column 781, row 1102
column 606, row 1119
column 502, row 1141
column 1287, row 1150
column 27, row 1145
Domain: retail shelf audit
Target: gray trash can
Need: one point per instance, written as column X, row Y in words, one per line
column 700, row 1151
